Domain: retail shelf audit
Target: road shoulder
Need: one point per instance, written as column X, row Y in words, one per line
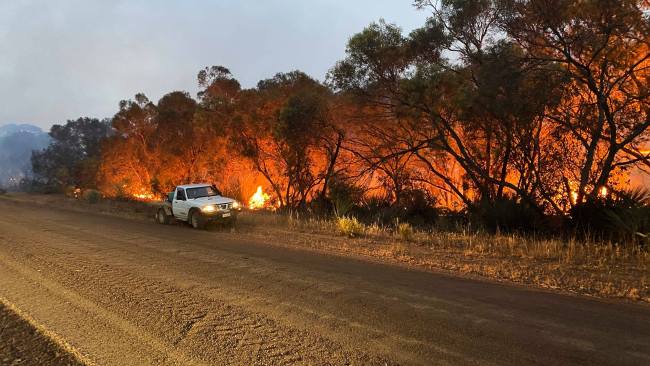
column 23, row 343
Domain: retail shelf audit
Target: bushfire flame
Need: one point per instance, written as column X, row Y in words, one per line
column 603, row 192
column 144, row 196
column 258, row 200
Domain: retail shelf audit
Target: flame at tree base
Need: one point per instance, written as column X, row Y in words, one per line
column 144, row 196
column 258, row 200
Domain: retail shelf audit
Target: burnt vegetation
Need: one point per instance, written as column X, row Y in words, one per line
column 504, row 115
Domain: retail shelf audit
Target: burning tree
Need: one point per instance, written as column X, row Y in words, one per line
column 495, row 109
column 284, row 128
column 603, row 49
column 129, row 158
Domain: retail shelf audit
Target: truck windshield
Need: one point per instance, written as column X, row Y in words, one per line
column 199, row 192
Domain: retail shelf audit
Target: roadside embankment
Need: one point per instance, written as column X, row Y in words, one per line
column 22, row 344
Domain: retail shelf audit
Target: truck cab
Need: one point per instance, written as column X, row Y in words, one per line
column 199, row 205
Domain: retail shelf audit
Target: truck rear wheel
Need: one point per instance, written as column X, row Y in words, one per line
column 196, row 220
column 162, row 217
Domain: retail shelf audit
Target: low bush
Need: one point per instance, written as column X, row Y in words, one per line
column 405, row 231
column 92, row 195
column 350, row 226
column 36, row 186
column 374, row 210
column 344, row 196
column 415, row 207
column 418, row 208
column 506, row 215
column 3, row 191
column 451, row 221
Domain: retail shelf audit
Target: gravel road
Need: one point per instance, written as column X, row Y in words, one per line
column 125, row 292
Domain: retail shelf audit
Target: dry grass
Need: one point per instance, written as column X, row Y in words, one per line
column 584, row 267
column 406, row 232
column 350, row 227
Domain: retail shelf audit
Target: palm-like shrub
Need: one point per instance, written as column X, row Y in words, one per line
column 622, row 217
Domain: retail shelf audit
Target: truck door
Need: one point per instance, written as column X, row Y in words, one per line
column 180, row 206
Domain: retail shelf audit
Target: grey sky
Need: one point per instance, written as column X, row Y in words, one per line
column 65, row 59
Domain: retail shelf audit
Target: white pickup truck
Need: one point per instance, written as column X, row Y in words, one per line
column 199, row 205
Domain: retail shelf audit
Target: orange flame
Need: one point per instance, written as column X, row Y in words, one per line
column 258, row 200
column 143, row 196
column 602, row 192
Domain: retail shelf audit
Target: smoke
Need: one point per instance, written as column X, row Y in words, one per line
column 16, row 145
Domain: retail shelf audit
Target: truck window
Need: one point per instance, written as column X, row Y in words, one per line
column 199, row 192
column 180, row 195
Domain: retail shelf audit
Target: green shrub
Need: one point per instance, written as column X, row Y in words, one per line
column 92, row 195
column 344, row 196
column 405, row 231
column 374, row 210
column 506, row 215
column 36, row 186
column 416, row 207
column 350, row 226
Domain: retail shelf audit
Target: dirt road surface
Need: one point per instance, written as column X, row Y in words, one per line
column 125, row 292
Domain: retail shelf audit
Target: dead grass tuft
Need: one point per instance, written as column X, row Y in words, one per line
column 350, row 227
column 405, row 231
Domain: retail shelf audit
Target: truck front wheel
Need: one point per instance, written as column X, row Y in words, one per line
column 196, row 220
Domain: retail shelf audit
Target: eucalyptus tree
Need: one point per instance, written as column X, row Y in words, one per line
column 603, row 49
column 72, row 157
column 459, row 95
column 285, row 128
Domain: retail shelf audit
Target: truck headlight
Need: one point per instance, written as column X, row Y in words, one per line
column 208, row 209
column 236, row 205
